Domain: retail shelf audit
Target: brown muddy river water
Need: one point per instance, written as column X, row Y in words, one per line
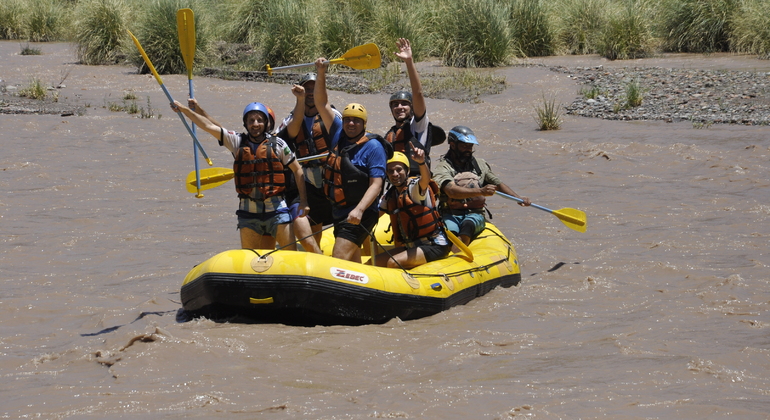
column 659, row 311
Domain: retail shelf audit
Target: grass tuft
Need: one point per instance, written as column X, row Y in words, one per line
column 27, row 50
column 548, row 114
column 34, row 90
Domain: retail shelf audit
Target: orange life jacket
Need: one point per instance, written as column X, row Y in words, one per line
column 259, row 173
column 410, row 220
column 344, row 183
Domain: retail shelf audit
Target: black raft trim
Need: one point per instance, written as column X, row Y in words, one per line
column 308, row 300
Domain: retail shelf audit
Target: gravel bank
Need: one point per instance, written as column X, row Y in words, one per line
column 700, row 96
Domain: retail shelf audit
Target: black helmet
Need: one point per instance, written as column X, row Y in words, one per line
column 401, row 96
column 309, row 77
column 463, row 134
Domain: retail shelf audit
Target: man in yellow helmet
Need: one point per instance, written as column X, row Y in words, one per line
column 354, row 171
column 411, row 203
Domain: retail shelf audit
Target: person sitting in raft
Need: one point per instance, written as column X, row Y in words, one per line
column 464, row 182
column 411, row 203
column 353, row 171
column 260, row 163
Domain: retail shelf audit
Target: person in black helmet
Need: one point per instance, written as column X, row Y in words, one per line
column 464, row 182
column 261, row 161
column 410, row 113
column 309, row 136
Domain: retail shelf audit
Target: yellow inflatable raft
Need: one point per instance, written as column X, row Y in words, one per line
column 302, row 288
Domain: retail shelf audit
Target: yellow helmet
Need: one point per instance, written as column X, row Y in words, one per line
column 399, row 158
column 355, row 110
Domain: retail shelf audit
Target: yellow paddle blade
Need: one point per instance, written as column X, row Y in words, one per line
column 146, row 59
column 467, row 254
column 572, row 218
column 185, row 26
column 210, row 178
column 362, row 57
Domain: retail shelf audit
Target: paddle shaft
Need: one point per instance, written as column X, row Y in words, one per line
column 168, row 95
column 186, row 30
column 561, row 215
column 334, row 61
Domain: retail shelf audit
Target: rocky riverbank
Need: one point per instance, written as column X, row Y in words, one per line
column 701, row 96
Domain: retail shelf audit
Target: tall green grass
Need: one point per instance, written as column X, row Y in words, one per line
column 580, row 23
column 346, row 24
column 156, row 30
column 751, row 28
column 47, row 20
column 475, row 33
column 290, row 35
column 100, row 31
column 12, row 16
column 697, row 25
column 532, row 27
column 405, row 19
column 628, row 33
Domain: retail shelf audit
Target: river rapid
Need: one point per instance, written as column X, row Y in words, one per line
column 660, row 310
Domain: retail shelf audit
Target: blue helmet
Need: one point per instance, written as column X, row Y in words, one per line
column 260, row 107
column 462, row 134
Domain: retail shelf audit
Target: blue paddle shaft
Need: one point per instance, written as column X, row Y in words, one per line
column 521, row 201
column 189, row 130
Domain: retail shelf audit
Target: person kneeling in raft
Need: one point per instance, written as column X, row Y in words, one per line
column 411, row 203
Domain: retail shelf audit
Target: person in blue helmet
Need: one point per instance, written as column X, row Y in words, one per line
column 354, row 171
column 260, row 178
column 464, row 182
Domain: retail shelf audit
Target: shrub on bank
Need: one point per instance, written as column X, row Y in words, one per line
column 100, row 31
column 532, row 29
column 751, row 28
column 627, row 34
column 12, row 14
column 475, row 33
column 696, row 25
column 156, row 30
column 580, row 23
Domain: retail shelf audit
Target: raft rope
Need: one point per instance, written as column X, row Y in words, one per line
column 292, row 243
column 426, row 275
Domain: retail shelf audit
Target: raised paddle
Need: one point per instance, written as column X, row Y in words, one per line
column 214, row 177
column 185, row 26
column 572, row 218
column 362, row 57
column 168, row 95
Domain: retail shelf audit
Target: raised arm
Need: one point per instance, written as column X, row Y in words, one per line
column 405, row 54
column 198, row 119
column 320, row 93
column 298, row 115
column 193, row 104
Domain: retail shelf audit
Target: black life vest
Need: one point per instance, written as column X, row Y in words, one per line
column 344, row 183
column 411, row 220
column 313, row 142
column 259, row 173
column 400, row 137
